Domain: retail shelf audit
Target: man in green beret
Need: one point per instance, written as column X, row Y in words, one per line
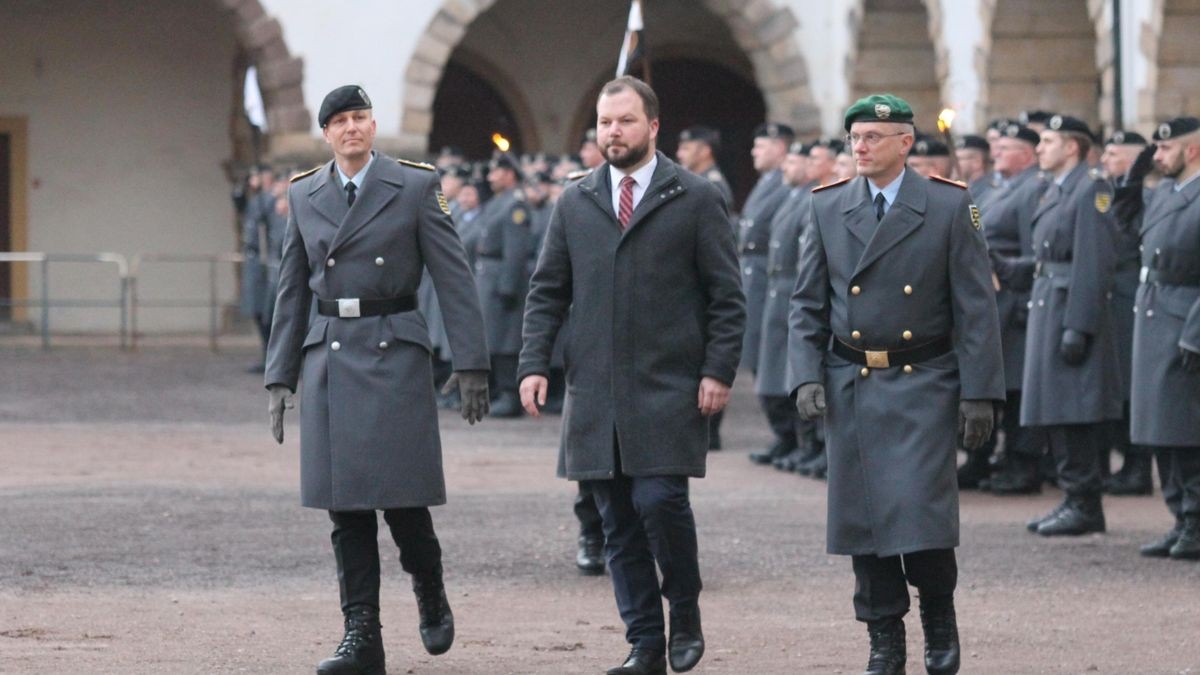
column 896, row 343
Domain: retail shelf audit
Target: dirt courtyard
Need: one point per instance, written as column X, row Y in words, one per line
column 149, row 524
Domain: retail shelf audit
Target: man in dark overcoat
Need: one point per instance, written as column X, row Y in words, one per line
column 1071, row 386
column 895, row 341
column 361, row 229
column 642, row 253
column 1166, row 335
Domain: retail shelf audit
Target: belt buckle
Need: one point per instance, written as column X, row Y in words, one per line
column 348, row 308
column 1143, row 275
column 877, row 359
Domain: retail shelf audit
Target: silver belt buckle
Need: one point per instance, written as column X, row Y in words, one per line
column 348, row 308
column 1145, row 274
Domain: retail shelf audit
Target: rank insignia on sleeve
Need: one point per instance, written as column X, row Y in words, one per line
column 975, row 220
column 1103, row 202
column 441, row 199
column 518, row 216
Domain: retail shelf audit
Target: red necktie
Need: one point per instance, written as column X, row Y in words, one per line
column 626, row 211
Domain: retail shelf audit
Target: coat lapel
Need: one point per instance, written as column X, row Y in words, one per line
column 859, row 215
column 1161, row 209
column 902, row 218
column 383, row 183
column 664, row 186
column 325, row 196
column 596, row 186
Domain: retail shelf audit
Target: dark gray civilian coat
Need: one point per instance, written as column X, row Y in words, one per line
column 368, row 418
column 891, row 435
column 754, row 237
column 653, row 310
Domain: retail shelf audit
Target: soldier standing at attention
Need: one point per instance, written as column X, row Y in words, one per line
column 895, row 341
column 361, row 229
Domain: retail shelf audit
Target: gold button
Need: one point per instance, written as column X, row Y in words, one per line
column 855, row 290
column 908, row 369
column 856, row 335
column 908, row 290
column 907, row 334
column 865, row 372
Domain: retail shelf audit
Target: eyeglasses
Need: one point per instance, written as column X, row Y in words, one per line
column 870, row 138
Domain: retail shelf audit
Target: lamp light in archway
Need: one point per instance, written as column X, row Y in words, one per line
column 501, row 142
column 946, row 119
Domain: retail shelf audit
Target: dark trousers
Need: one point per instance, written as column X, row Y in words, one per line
column 504, row 374
column 881, row 584
column 648, row 519
column 1075, row 457
column 356, row 547
column 1019, row 440
column 590, row 523
column 1179, row 470
column 783, row 419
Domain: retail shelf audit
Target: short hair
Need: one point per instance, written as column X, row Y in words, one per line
column 643, row 90
column 1082, row 140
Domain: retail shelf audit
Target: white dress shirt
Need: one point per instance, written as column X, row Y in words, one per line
column 641, row 181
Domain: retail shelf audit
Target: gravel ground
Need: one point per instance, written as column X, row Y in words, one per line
column 150, row 525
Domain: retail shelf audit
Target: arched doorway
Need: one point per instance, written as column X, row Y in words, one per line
column 468, row 110
column 894, row 53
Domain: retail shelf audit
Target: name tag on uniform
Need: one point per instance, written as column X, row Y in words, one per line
column 348, row 308
column 1145, row 274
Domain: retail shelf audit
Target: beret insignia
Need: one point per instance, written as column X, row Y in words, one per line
column 1056, row 122
column 1164, row 131
column 883, row 111
column 441, row 200
column 1103, row 202
column 1119, row 137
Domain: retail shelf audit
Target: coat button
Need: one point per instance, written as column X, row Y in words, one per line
column 908, row 369
column 855, row 290
column 749, row 270
column 1041, row 303
column 908, row 290
column 335, row 345
column 379, row 262
column 1149, row 313
column 865, row 372
column 330, row 263
column 1029, row 305
column 383, row 345
column 856, row 335
column 907, row 335
column 772, row 293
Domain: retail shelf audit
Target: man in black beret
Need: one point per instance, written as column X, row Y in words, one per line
column 974, row 164
column 589, row 151
column 697, row 152
column 1035, row 119
column 930, row 157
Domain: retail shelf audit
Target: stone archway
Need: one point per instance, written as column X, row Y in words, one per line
column 1173, row 62
column 280, row 75
column 763, row 30
column 892, row 50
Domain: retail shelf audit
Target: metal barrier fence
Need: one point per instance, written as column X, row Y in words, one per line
column 44, row 301
column 136, row 303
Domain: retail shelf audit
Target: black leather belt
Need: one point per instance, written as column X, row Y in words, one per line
column 1169, row 277
column 894, row 357
column 1052, row 269
column 349, row 308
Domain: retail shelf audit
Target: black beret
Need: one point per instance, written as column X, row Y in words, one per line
column 799, row 148
column 589, row 136
column 774, row 130
column 1176, row 127
column 930, row 147
column 701, row 133
column 1126, row 138
column 1022, row 133
column 543, row 177
column 451, row 151
column 506, row 160
column 462, row 171
column 1000, row 124
column 1068, row 123
column 972, row 142
column 348, row 97
column 1036, row 116
column 835, row 146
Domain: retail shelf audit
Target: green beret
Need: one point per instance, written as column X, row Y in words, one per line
column 879, row 108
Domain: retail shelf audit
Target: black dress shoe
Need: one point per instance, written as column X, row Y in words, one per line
column 1187, row 547
column 1019, row 476
column 686, row 643
column 790, row 461
column 1134, row 478
column 507, row 404
column 437, row 622
column 1081, row 514
column 973, row 471
column 1032, row 525
column 808, row 454
column 817, row 468
column 361, row 650
column 641, row 662
column 888, row 653
column 590, row 556
column 776, row 449
column 1162, row 547
column 942, row 652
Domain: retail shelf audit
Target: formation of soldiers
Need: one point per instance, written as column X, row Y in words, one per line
column 261, row 207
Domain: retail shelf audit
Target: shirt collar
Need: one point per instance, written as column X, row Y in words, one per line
column 642, row 176
column 890, row 191
column 358, row 177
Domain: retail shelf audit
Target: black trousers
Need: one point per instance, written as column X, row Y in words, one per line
column 1019, row 440
column 590, row 523
column 1179, row 470
column 881, row 584
column 1075, row 456
column 356, row 547
column 648, row 520
column 504, row 374
column 782, row 418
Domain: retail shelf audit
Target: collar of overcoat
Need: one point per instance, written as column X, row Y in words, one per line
column 382, row 184
column 1074, row 179
column 901, row 219
column 1163, row 205
column 664, row 186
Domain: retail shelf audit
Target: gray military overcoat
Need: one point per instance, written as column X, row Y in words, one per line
column 1069, row 227
column 1166, row 399
column 368, row 419
column 501, row 268
column 892, row 435
column 653, row 310
column 754, row 238
column 782, row 262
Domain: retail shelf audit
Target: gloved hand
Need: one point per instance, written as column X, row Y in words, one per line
column 1142, row 165
column 472, row 388
column 1191, row 360
column 1074, row 346
column 280, row 400
column 810, row 401
column 975, row 420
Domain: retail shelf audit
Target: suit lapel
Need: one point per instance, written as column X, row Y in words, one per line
column 859, row 215
column 902, row 218
column 383, row 183
column 325, row 196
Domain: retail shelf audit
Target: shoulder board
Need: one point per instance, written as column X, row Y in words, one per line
column 417, row 165
column 831, row 185
column 714, row 175
column 304, row 174
column 947, row 181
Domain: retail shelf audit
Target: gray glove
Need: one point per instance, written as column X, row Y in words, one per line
column 281, row 399
column 975, row 419
column 810, row 401
column 472, row 388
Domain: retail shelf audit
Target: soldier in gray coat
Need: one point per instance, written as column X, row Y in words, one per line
column 1166, row 335
column 361, row 229
column 1072, row 380
column 895, row 341
column 642, row 254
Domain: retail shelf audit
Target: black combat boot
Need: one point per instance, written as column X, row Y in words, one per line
column 942, row 653
column 1162, row 547
column 1081, row 514
column 361, row 650
column 1134, row 478
column 976, row 469
column 887, row 647
column 437, row 623
column 685, row 646
column 641, row 662
column 817, row 468
column 1018, row 477
column 775, row 450
column 590, row 556
column 1187, row 547
column 1032, row 525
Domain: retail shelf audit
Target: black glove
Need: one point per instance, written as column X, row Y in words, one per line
column 280, row 400
column 975, row 419
column 1142, row 165
column 1190, row 359
column 810, row 401
column 1074, row 346
column 472, row 388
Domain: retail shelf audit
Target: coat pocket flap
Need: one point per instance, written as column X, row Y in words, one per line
column 316, row 334
column 410, row 327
